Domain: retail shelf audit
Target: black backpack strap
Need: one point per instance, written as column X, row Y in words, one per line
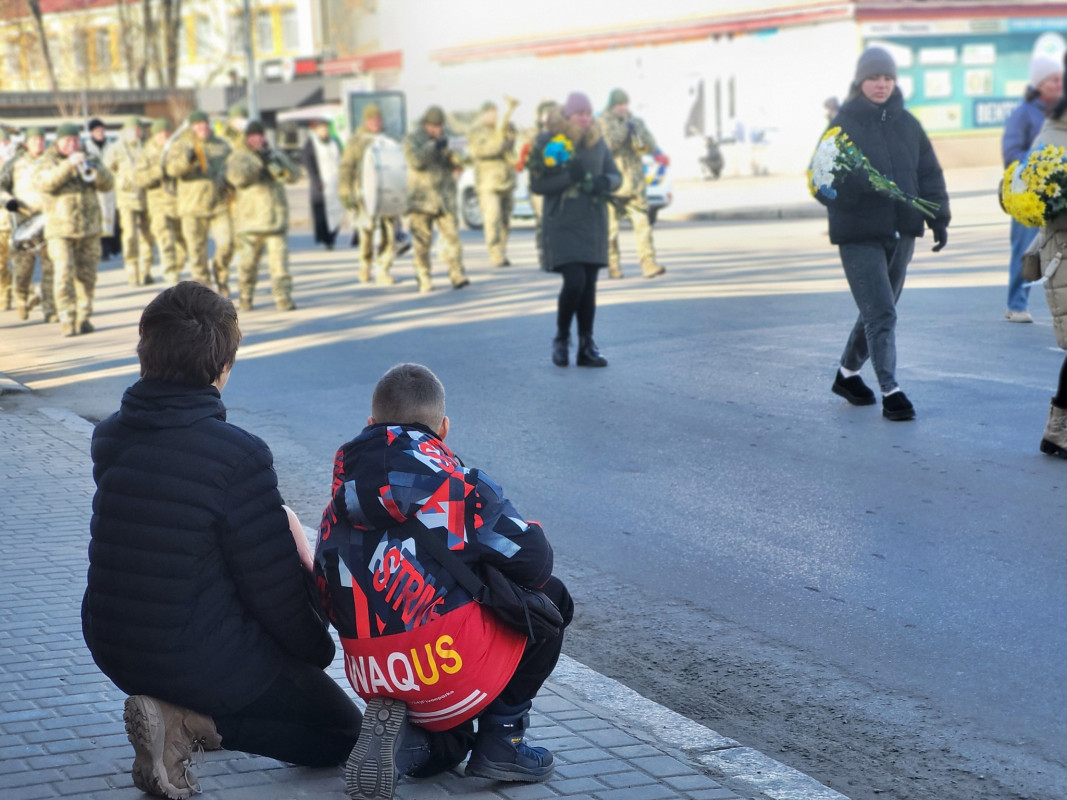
column 425, row 538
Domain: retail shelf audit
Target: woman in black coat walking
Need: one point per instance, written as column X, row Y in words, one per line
column 875, row 233
column 575, row 221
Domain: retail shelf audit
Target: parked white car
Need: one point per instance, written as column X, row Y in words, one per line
column 657, row 177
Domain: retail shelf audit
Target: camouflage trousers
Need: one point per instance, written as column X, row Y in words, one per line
column 386, row 228
column 250, row 247
column 167, row 232
column 196, row 231
column 75, row 263
column 496, row 221
column 451, row 250
column 636, row 208
column 5, row 269
column 23, row 263
column 137, row 244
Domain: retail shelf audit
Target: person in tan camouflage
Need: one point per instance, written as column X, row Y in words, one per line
column 22, row 199
column 493, row 149
column 7, row 154
column 352, row 199
column 137, row 243
column 545, row 109
column 69, row 182
column 629, row 139
column 234, row 129
column 161, row 202
column 259, row 174
column 432, row 197
column 197, row 159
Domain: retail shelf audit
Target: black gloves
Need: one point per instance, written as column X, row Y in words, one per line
column 576, row 170
column 12, row 204
column 440, row 144
column 940, row 231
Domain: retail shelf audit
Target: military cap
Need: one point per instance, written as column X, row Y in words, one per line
column 161, row 125
column 34, row 130
column 255, row 126
column 197, row 116
column 131, row 122
column 488, row 105
column 95, row 123
column 371, row 111
column 238, row 111
column 67, row 129
column 434, row 115
column 617, row 98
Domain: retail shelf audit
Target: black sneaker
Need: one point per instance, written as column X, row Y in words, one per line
column 897, row 407
column 853, row 389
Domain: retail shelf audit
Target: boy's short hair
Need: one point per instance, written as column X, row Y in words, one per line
column 189, row 335
column 409, row 393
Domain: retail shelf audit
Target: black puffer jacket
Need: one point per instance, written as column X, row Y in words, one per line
column 196, row 594
column 575, row 223
column 896, row 145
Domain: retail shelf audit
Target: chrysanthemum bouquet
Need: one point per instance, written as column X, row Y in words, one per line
column 837, row 157
column 1034, row 190
column 552, row 157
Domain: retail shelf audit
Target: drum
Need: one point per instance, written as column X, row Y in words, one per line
column 384, row 179
column 29, row 235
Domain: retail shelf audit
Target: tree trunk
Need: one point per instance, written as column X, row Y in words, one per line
column 172, row 21
column 38, row 18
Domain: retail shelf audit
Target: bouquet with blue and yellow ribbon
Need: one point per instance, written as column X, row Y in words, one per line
column 837, row 157
column 553, row 157
column 1034, row 189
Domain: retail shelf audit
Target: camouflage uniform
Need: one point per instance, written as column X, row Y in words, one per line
column 162, row 210
column 262, row 221
column 123, row 157
column 629, row 139
column 73, row 227
column 18, row 181
column 203, row 204
column 493, row 152
column 352, row 198
column 432, row 198
column 5, row 254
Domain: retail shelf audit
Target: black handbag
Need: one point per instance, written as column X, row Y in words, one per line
column 526, row 610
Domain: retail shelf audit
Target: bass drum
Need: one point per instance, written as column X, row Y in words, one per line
column 384, row 179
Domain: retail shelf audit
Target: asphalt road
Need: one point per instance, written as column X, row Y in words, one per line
column 877, row 604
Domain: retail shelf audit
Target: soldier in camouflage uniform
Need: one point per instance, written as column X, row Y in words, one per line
column 21, row 198
column 432, row 197
column 197, row 159
column 493, row 151
column 73, row 225
column 7, row 154
column 259, row 175
column 544, row 110
column 629, row 139
column 351, row 198
column 122, row 157
column 234, row 129
column 161, row 202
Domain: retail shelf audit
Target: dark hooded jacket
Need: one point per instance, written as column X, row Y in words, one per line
column 575, row 223
column 195, row 590
column 896, row 145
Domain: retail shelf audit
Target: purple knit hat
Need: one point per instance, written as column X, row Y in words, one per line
column 576, row 101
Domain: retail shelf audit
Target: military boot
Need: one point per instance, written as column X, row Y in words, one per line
column 500, row 750
column 1054, row 440
column 164, row 738
column 387, row 748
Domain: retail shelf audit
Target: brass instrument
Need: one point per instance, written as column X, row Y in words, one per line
column 87, row 169
column 504, row 128
column 170, row 185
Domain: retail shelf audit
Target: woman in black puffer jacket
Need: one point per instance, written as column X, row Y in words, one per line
column 197, row 602
column 876, row 234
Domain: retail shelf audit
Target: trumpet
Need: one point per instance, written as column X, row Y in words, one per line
column 87, row 169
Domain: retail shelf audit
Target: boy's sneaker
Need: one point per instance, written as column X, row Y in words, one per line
column 853, row 389
column 372, row 772
column 1018, row 316
column 897, row 407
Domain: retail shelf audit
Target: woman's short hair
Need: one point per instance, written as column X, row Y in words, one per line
column 189, row 335
column 409, row 393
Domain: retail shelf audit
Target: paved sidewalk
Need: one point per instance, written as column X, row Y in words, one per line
column 61, row 730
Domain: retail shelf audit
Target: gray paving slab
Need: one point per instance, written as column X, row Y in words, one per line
column 61, row 730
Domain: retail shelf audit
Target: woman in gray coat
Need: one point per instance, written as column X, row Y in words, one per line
column 575, row 221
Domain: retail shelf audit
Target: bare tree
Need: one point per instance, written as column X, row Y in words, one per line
column 127, row 35
column 172, row 22
column 38, row 18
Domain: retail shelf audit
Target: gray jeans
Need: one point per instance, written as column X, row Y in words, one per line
column 875, row 274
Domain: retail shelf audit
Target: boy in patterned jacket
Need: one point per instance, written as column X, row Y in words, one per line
column 425, row 656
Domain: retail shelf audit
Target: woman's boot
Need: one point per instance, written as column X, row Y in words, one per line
column 561, row 350
column 588, row 355
column 1054, row 440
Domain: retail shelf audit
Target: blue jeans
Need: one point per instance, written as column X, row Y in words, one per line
column 1018, row 292
column 875, row 273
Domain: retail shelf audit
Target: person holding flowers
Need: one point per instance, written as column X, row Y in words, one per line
column 571, row 167
column 880, row 180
